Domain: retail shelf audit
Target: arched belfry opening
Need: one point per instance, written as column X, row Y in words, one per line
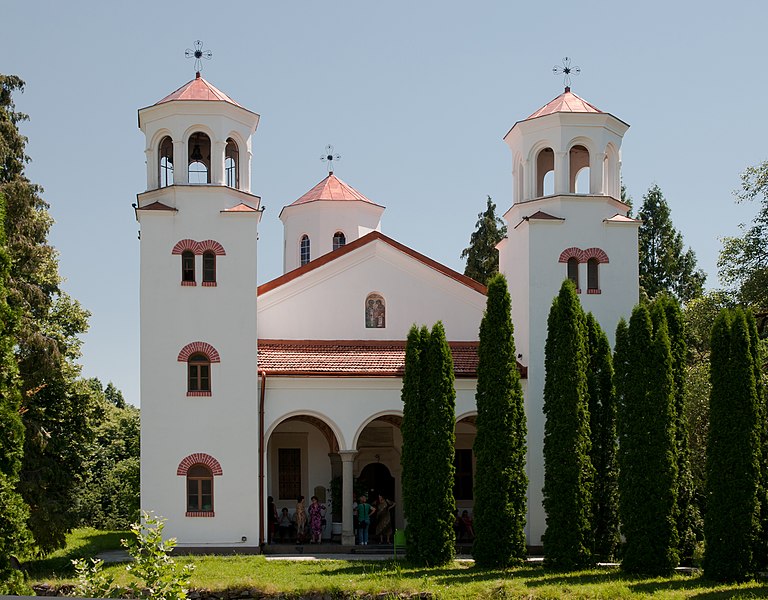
column 545, row 172
column 232, row 164
column 199, row 152
column 578, row 162
column 165, row 162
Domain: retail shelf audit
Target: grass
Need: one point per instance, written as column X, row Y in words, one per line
column 457, row 581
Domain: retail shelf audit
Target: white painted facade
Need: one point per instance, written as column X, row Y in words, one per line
column 342, row 423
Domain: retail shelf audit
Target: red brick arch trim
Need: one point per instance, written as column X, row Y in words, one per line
column 570, row 253
column 199, row 247
column 199, row 459
column 596, row 253
column 583, row 255
column 202, row 347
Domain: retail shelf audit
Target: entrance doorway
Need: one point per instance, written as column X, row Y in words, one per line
column 375, row 479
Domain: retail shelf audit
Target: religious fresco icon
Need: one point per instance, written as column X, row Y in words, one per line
column 375, row 311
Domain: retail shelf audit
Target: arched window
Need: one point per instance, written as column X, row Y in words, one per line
column 188, row 267
column 339, row 240
column 198, row 374
column 231, row 161
column 199, row 158
column 545, row 164
column 304, row 253
column 165, row 165
column 593, row 280
column 209, row 268
column 579, row 170
column 199, row 489
column 573, row 271
column 375, row 312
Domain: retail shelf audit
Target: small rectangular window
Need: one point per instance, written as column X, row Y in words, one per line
column 289, row 470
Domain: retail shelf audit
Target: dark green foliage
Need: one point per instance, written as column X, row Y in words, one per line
column 482, row 256
column 733, row 452
column 14, row 535
column 501, row 482
column 428, row 447
column 602, row 426
column 664, row 265
column 568, row 472
column 109, row 498
column 56, row 407
column 743, row 262
column 687, row 514
column 646, row 429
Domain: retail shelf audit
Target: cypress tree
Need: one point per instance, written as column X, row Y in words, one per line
column 731, row 521
column 688, row 520
column 602, row 425
column 14, row 535
column 414, row 415
column 501, row 482
column 568, row 471
column 646, row 429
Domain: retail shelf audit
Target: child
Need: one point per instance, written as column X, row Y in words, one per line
column 285, row 526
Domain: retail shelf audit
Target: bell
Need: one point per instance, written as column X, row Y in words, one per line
column 196, row 154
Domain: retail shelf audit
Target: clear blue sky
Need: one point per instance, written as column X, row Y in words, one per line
column 415, row 96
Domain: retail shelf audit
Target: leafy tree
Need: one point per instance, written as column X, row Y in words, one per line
column 664, row 265
column 646, row 430
column 568, row 472
column 56, row 406
column 743, row 262
column 14, row 535
column 501, row 483
column 602, row 426
column 733, row 452
column 482, row 256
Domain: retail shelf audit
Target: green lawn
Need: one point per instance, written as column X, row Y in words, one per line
column 457, row 581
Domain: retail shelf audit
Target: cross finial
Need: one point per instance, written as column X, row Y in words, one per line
column 329, row 157
column 567, row 70
column 198, row 54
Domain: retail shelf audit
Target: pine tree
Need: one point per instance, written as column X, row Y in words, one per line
column 602, row 425
column 482, row 256
column 439, row 431
column 415, row 508
column 687, row 514
column 14, row 535
column 664, row 265
column 501, row 482
column 568, row 472
column 646, row 430
column 731, row 522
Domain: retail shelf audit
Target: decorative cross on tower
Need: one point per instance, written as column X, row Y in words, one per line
column 198, row 54
column 567, row 70
column 329, row 157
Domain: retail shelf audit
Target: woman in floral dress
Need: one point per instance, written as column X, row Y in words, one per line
column 316, row 519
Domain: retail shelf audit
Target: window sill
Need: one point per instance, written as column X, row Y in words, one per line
column 593, row 291
column 200, row 513
column 209, row 284
column 189, row 283
column 198, row 394
column 578, row 290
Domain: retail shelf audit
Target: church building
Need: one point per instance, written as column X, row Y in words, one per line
column 291, row 387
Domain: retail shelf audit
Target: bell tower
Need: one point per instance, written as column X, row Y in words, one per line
column 567, row 220
column 198, row 238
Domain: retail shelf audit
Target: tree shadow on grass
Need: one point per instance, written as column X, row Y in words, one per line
column 60, row 562
column 709, row 590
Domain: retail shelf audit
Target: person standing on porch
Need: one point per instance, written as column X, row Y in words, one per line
column 384, row 519
column 364, row 512
column 301, row 519
column 316, row 511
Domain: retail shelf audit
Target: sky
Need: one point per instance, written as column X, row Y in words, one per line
column 415, row 97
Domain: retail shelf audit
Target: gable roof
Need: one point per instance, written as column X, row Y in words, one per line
column 198, row 89
column 353, row 358
column 334, row 189
column 566, row 102
column 359, row 243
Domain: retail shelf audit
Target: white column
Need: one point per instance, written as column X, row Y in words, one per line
column 180, row 163
column 596, row 167
column 562, row 175
column 217, row 162
column 152, row 170
column 347, row 490
column 529, row 187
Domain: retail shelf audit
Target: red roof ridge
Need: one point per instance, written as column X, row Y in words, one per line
column 358, row 243
column 197, row 89
column 566, row 102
